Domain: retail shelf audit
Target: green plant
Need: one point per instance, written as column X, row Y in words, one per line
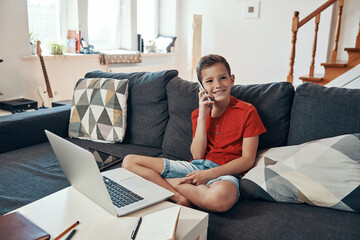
column 57, row 48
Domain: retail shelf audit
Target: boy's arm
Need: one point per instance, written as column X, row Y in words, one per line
column 236, row 166
column 199, row 142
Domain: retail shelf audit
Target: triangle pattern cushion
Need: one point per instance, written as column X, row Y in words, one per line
column 323, row 172
column 99, row 109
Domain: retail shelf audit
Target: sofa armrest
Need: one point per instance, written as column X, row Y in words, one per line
column 25, row 129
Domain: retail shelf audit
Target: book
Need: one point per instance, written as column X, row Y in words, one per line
column 71, row 41
column 16, row 226
column 159, row 225
column 78, row 41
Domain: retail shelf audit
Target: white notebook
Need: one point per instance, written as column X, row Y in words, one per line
column 159, row 225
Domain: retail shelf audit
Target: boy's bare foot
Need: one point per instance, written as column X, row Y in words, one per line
column 181, row 200
column 178, row 198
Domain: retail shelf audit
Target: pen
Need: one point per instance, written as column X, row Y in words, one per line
column 67, row 230
column 133, row 234
column 71, row 234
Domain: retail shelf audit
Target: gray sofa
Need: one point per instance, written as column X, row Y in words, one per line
column 158, row 124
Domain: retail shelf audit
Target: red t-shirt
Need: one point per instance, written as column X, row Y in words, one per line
column 225, row 133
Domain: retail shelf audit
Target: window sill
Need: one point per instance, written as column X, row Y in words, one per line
column 83, row 56
column 158, row 54
column 64, row 56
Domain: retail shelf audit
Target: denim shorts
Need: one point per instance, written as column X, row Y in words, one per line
column 179, row 169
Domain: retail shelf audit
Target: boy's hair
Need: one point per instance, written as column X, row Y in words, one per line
column 208, row 61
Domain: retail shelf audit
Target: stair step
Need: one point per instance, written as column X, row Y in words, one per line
column 352, row 49
column 315, row 78
column 335, row 65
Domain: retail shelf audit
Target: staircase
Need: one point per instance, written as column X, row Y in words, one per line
column 334, row 68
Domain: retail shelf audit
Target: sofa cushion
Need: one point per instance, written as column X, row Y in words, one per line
column 273, row 102
column 117, row 149
column 147, row 105
column 28, row 174
column 25, row 129
column 257, row 219
column 320, row 112
column 323, row 173
column 99, row 109
column 182, row 100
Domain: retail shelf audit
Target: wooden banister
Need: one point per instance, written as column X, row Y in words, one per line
column 357, row 43
column 294, row 29
column 316, row 12
column 337, row 33
column 296, row 24
column 312, row 65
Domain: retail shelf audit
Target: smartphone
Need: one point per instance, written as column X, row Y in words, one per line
column 202, row 87
column 103, row 159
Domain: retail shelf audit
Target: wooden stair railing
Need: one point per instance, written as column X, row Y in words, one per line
column 330, row 73
column 357, row 44
column 312, row 66
column 296, row 25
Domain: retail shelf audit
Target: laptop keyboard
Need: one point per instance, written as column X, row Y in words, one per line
column 120, row 195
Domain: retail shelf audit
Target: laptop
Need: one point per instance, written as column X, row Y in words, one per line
column 132, row 191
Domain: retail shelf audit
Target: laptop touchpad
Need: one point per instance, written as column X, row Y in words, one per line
column 135, row 182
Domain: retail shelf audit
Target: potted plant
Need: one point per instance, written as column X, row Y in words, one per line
column 57, row 48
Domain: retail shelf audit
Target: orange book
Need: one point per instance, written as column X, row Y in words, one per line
column 78, row 41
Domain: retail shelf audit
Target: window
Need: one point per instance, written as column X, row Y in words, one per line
column 147, row 19
column 44, row 21
column 106, row 24
column 103, row 22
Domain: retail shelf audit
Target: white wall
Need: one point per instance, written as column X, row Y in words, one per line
column 258, row 50
column 349, row 26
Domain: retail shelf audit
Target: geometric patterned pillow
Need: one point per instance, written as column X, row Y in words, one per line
column 324, row 172
column 99, row 109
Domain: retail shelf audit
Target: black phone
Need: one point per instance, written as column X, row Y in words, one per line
column 202, row 87
column 103, row 159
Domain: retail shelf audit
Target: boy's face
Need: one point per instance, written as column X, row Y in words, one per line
column 217, row 81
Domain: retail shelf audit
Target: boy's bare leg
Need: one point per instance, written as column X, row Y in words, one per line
column 150, row 168
column 220, row 196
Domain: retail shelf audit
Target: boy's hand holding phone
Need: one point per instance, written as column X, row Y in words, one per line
column 206, row 100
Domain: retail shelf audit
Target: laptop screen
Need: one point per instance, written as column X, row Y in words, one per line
column 103, row 159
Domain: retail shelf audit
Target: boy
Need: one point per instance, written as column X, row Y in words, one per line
column 225, row 141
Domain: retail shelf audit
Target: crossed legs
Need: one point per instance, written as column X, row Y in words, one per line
column 219, row 196
column 150, row 168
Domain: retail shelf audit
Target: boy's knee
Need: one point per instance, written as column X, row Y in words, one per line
column 221, row 200
column 128, row 161
column 220, row 204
